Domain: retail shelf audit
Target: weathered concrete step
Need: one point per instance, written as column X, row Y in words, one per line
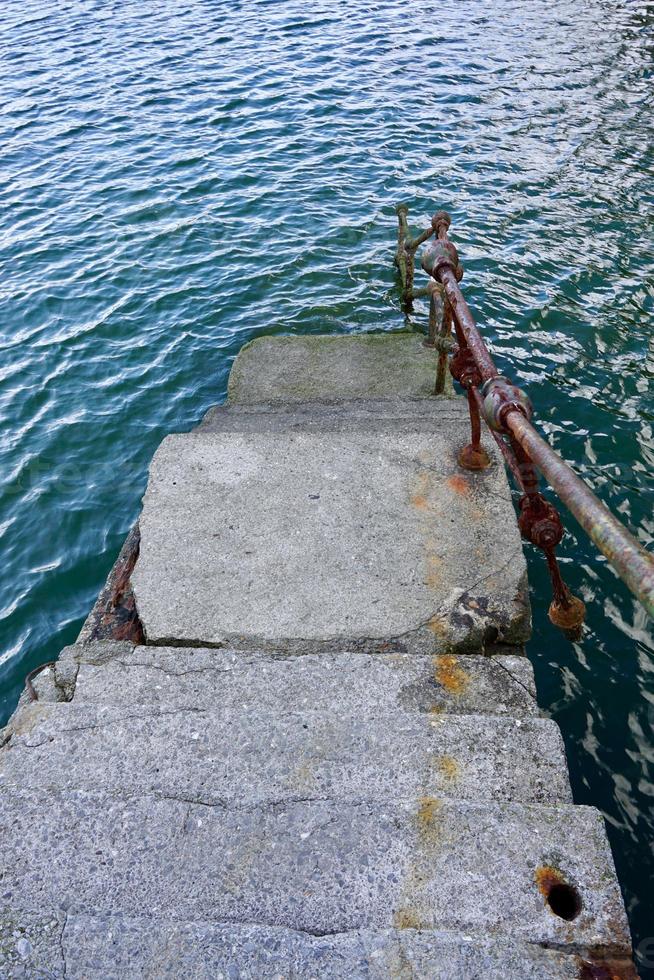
column 360, row 539
column 231, row 757
column 90, row 947
column 356, row 683
column 370, row 415
column 318, row 867
column 332, row 368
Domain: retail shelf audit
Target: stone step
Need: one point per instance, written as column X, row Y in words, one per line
column 371, row 415
column 92, row 947
column 360, row 684
column 334, row 367
column 232, row 757
column 526, row 873
column 361, row 538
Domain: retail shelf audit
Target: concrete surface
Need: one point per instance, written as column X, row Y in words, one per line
column 309, row 754
column 320, row 867
column 328, row 760
column 361, row 538
column 122, row 948
column 376, row 414
column 363, row 684
column 332, row 368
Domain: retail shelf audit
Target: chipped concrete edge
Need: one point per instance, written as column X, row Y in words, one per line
column 114, row 614
column 470, row 623
column 57, row 684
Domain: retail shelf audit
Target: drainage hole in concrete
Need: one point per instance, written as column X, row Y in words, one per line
column 564, row 901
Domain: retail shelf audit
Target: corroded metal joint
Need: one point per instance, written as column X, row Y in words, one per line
column 440, row 255
column 441, row 220
column 463, row 367
column 444, row 344
column 501, row 397
column 569, row 616
column 539, row 521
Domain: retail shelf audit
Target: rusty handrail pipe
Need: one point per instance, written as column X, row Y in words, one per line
column 507, row 412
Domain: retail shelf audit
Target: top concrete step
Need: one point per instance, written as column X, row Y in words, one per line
column 332, row 368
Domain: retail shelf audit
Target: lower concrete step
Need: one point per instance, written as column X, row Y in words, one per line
column 527, row 873
column 232, row 757
column 363, row 684
column 83, row 946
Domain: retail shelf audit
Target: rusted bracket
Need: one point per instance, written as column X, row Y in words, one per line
column 440, row 315
column 29, row 686
column 405, row 257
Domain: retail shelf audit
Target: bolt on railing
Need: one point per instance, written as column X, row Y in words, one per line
column 507, row 412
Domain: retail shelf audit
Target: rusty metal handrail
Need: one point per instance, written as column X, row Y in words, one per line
column 507, row 412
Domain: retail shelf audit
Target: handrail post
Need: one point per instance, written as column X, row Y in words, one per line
column 436, row 313
column 405, row 256
column 444, row 345
column 463, row 369
column 439, row 336
column 404, row 259
column 632, row 562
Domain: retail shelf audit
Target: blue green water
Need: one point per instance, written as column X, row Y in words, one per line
column 178, row 178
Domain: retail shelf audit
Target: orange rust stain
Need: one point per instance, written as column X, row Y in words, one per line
column 547, row 877
column 438, row 626
column 603, row 969
column 458, row 483
column 419, row 498
column 450, row 675
column 407, row 919
column 428, row 810
column 448, row 766
column 434, row 570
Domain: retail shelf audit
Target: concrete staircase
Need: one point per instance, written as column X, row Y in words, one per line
column 327, row 760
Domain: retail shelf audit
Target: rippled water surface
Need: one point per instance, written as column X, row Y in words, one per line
column 179, row 178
